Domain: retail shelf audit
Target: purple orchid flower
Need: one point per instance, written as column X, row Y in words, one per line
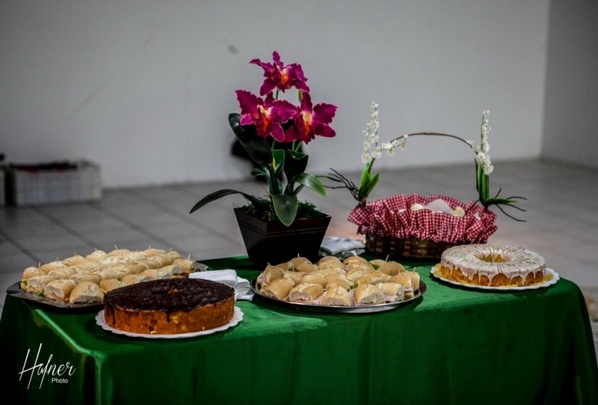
column 279, row 76
column 309, row 122
column 267, row 115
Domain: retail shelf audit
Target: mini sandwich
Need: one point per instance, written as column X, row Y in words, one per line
column 97, row 255
column 296, row 261
column 330, row 261
column 78, row 277
column 48, row 267
column 74, row 260
column 314, row 278
column 154, row 274
column 305, row 293
column 173, row 269
column 86, row 292
column 86, row 267
column 355, row 274
column 109, row 284
column 336, row 296
column 30, row 271
column 392, row 291
column 36, row 284
column 306, row 267
column 406, row 281
column 415, row 279
column 62, row 272
column 59, row 289
column 112, row 272
column 279, row 288
column 119, row 252
column 270, row 274
column 373, row 277
column 391, row 268
column 190, row 266
column 294, row 275
column 368, row 294
column 134, row 279
column 338, row 281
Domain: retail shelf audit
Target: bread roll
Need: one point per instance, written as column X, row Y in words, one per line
column 78, row 277
column 59, row 289
column 278, row 288
column 97, row 255
column 86, row 292
column 109, row 284
column 338, row 280
column 86, row 267
column 314, row 278
column 415, row 279
column 392, row 291
column 368, row 294
column 156, row 274
column 294, row 275
column 36, row 284
column 336, row 296
column 154, row 251
column 62, row 272
column 173, row 269
column 306, row 267
column 296, row 261
column 48, row 267
column 407, row 282
column 190, row 266
column 30, row 271
column 112, row 272
column 391, row 268
column 305, row 292
column 134, row 279
column 74, row 260
column 270, row 274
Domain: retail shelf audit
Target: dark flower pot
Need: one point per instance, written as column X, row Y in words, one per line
column 272, row 242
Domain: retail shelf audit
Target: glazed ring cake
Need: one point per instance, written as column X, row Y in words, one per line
column 489, row 265
column 169, row 306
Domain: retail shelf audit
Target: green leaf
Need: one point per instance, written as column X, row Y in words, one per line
column 255, row 146
column 369, row 186
column 295, row 164
column 286, row 207
column 223, row 193
column 312, row 182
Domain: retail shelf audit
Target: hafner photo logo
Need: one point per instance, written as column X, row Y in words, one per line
column 57, row 372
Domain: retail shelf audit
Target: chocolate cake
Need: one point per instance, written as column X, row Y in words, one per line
column 169, row 306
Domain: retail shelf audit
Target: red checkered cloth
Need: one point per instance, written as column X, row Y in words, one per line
column 393, row 217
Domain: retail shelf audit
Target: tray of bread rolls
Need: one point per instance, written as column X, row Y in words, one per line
column 81, row 281
column 354, row 285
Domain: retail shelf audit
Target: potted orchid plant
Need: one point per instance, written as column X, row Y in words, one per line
column 272, row 131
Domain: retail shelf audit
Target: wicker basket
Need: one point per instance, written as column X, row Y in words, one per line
column 411, row 248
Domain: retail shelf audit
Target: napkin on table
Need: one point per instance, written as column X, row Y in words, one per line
column 332, row 245
column 243, row 290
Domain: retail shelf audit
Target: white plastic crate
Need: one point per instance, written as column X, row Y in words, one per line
column 50, row 183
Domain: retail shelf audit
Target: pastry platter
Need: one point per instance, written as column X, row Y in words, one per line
column 237, row 317
column 15, row 291
column 551, row 278
column 356, row 309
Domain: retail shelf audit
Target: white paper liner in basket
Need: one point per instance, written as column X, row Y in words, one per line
column 393, row 217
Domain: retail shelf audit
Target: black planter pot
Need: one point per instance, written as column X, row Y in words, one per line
column 272, row 242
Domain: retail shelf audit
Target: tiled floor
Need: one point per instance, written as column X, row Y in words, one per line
column 562, row 218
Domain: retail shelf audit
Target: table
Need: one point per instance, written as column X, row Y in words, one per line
column 453, row 345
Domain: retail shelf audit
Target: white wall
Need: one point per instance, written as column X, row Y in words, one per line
column 570, row 130
column 144, row 87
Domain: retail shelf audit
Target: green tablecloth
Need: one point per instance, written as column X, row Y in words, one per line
column 454, row 345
